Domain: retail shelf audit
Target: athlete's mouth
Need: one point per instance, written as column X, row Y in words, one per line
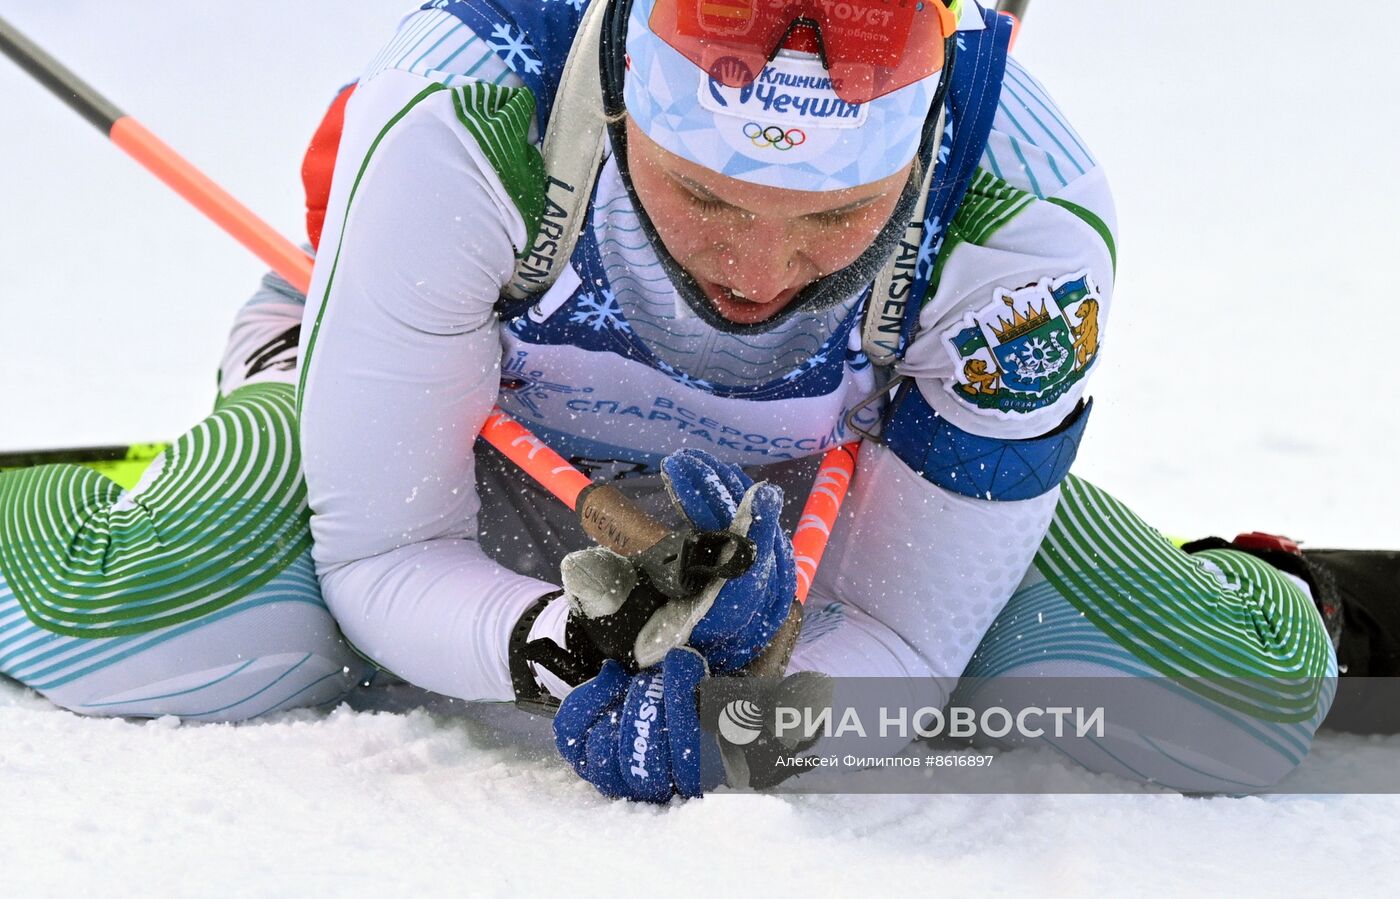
column 736, row 307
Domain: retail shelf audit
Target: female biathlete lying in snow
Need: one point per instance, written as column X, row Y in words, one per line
column 742, row 291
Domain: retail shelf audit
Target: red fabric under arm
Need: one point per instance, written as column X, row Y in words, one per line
column 319, row 164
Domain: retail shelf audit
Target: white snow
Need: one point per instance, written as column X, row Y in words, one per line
column 1249, row 382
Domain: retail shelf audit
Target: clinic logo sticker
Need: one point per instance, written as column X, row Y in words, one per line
column 793, row 92
column 1027, row 347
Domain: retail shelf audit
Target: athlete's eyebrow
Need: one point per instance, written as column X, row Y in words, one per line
column 708, row 195
column 849, row 207
column 701, row 190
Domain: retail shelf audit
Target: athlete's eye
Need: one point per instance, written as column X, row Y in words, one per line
column 836, row 217
column 841, row 215
column 706, row 204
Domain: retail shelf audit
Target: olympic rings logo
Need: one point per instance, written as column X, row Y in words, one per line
column 775, row 137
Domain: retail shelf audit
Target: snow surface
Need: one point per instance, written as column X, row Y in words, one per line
column 1248, row 382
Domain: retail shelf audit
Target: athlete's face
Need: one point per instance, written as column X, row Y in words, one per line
column 752, row 248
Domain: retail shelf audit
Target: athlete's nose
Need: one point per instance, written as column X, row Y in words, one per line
column 759, row 263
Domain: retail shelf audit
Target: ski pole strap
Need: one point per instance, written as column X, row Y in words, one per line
column 679, row 563
column 529, row 696
column 890, row 294
column 573, row 154
column 973, row 97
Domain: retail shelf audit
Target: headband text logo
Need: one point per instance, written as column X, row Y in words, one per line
column 788, row 92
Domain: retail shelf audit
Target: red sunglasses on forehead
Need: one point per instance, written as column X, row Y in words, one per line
column 869, row 47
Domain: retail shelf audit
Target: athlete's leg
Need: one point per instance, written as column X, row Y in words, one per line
column 1232, row 668
column 193, row 594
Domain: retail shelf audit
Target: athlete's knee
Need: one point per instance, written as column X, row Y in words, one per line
column 1194, row 736
column 262, row 642
column 1204, row 682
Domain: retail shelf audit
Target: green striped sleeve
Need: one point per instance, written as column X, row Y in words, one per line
column 499, row 118
column 990, row 204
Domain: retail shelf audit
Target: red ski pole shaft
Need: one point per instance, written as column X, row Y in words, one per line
column 546, row 467
column 241, row 223
column 819, row 516
column 283, row 256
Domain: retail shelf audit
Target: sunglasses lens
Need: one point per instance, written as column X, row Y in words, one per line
column 871, row 47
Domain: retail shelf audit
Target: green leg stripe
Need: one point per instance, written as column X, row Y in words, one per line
column 226, row 514
column 1256, row 646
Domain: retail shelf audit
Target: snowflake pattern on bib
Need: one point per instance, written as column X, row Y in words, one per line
column 600, row 310
column 515, row 48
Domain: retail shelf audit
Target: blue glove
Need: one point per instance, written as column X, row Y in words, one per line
column 636, row 737
column 731, row 621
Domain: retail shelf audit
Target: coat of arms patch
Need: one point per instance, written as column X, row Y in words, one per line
column 1028, row 347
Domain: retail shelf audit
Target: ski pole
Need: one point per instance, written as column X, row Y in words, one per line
column 819, row 515
column 678, row 561
column 158, row 158
column 82, row 455
column 122, row 464
column 1015, row 10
